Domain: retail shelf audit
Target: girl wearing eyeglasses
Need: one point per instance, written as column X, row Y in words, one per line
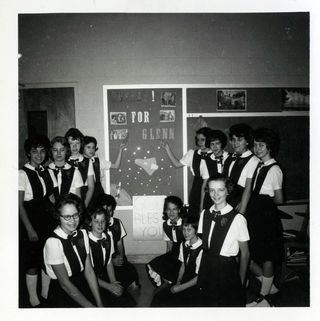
column 67, row 259
column 196, row 161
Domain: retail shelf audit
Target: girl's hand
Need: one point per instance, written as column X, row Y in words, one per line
column 238, row 207
column 163, row 144
column 116, row 288
column 176, row 288
column 32, row 235
column 123, row 144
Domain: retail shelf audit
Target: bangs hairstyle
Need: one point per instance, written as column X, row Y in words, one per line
column 223, row 178
column 106, row 200
column 93, row 214
column 36, row 141
column 269, row 137
column 219, row 135
column 90, row 139
column 205, row 131
column 242, row 130
column 75, row 134
column 62, row 140
column 191, row 220
column 176, row 201
column 68, row 199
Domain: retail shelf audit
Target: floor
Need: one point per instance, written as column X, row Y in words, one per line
column 294, row 291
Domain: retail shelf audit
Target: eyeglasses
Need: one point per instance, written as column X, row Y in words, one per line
column 68, row 217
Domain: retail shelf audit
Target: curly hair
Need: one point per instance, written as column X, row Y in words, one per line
column 242, row 130
column 63, row 141
column 223, row 178
column 36, row 141
column 269, row 137
column 176, row 201
column 219, row 135
column 68, row 199
column 205, row 131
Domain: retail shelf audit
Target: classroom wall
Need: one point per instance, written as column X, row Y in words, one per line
column 93, row 50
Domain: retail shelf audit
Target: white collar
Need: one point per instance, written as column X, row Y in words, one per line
column 246, row 154
column 194, row 245
column 111, row 221
column 179, row 222
column 96, row 239
column 65, row 166
column 60, row 232
column 223, row 211
column 28, row 165
column 269, row 162
column 79, row 158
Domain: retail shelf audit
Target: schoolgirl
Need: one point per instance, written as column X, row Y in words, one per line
column 125, row 272
column 101, row 249
column 67, row 259
column 165, row 268
column 218, row 142
column 196, row 161
column 100, row 165
column 224, row 233
column 35, row 190
column 68, row 177
column 76, row 159
column 185, row 291
column 240, row 166
column 266, row 244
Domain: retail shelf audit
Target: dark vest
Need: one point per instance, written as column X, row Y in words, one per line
column 115, row 229
column 36, row 185
column 220, row 230
column 197, row 160
column 96, row 169
column 82, row 166
column 66, row 180
column 190, row 264
column 67, row 244
column 99, row 264
column 261, row 177
column 237, row 168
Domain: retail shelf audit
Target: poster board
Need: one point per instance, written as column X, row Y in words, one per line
column 143, row 117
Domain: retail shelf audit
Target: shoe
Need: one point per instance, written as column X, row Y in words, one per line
column 260, row 301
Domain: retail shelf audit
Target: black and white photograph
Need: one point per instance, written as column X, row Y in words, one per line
column 232, row 99
column 118, row 118
column 162, row 157
column 168, row 99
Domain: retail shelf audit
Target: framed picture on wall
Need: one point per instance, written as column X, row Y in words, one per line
column 231, row 100
column 295, row 98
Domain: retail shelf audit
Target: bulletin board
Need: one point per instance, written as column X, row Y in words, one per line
column 143, row 117
column 293, row 156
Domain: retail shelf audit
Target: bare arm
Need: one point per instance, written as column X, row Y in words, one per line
column 278, row 196
column 181, row 287
column 65, row 283
column 90, row 191
column 78, row 191
column 116, row 164
column 175, row 162
column 242, row 206
column 119, row 259
column 203, row 188
column 181, row 272
column 244, row 259
column 113, row 286
column 32, row 234
column 92, row 281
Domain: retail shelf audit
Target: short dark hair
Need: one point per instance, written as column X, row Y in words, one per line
column 106, row 200
column 68, row 199
column 191, row 220
column 205, row 131
column 36, row 141
column 221, row 177
column 175, row 200
column 75, row 134
column 242, row 130
column 63, row 141
column 216, row 134
column 90, row 139
column 269, row 137
column 93, row 214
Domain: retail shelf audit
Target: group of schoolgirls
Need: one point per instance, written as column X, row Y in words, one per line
column 79, row 267
column 232, row 223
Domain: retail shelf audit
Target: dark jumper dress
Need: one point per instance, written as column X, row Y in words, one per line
column 167, row 265
column 188, row 297
column 100, row 267
column 195, row 192
column 57, row 297
column 219, row 279
column 66, row 180
column 126, row 273
column 39, row 211
column 264, row 223
column 234, row 198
